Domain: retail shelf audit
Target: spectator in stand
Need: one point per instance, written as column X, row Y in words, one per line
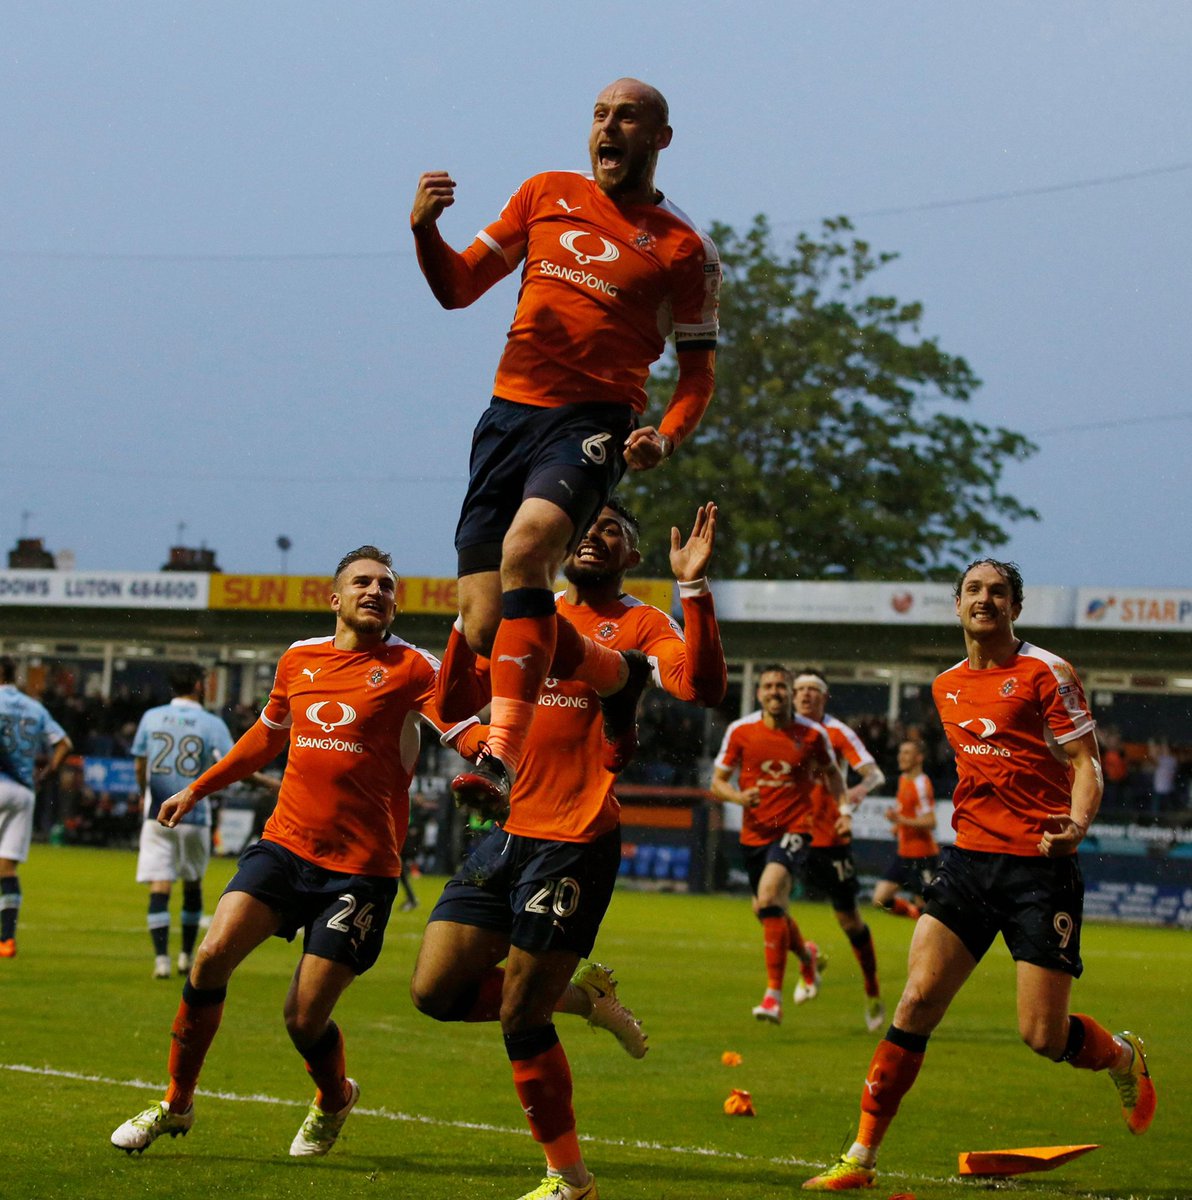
column 1164, row 767
column 1117, row 770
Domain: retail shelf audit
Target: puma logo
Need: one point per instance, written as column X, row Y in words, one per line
column 520, row 659
column 953, row 696
column 871, row 1086
column 567, row 207
column 312, row 674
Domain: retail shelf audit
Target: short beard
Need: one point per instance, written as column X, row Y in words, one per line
column 358, row 626
column 581, row 575
column 637, row 175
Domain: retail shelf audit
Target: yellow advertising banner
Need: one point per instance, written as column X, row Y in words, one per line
column 415, row 594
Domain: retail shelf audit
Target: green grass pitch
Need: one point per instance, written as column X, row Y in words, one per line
column 84, row 1035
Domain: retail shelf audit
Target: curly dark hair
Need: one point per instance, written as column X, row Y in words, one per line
column 1007, row 570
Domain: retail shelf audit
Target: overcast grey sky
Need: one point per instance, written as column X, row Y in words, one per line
column 211, row 313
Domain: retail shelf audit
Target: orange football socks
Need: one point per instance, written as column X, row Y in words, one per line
column 522, row 653
column 195, row 1025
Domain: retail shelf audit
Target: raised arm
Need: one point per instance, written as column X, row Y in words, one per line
column 692, row 668
column 455, row 279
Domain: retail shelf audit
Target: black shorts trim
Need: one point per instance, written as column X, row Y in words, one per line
column 343, row 916
column 913, row 874
column 832, row 871
column 544, row 895
column 1035, row 903
column 789, row 851
column 571, row 455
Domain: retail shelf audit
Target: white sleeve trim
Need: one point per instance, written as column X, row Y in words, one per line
column 1086, row 727
column 451, row 734
column 696, row 587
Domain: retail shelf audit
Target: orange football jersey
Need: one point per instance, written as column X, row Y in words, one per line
column 1000, row 722
column 602, row 287
column 850, row 751
column 562, row 792
column 915, row 798
column 353, row 719
column 783, row 764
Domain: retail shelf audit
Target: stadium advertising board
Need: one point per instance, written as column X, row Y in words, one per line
column 415, row 594
column 113, row 776
column 873, row 603
column 104, row 589
column 1154, row 609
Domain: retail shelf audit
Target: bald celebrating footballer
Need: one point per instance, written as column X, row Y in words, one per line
column 610, row 268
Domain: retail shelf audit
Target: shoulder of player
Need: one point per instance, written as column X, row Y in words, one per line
column 397, row 650
column 549, row 187
column 1045, row 663
column 838, row 730
column 945, row 674
column 626, row 610
column 306, row 646
column 842, row 734
column 19, row 702
column 648, row 619
column 742, row 726
column 807, row 726
column 680, row 219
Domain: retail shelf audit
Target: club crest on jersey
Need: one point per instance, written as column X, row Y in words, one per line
column 644, row 240
column 1009, row 686
column 377, row 676
column 606, row 630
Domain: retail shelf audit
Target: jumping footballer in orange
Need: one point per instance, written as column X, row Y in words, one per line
column 610, row 268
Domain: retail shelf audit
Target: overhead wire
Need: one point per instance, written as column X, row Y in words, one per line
column 364, row 255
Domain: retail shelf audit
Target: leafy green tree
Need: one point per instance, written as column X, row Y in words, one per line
column 832, row 445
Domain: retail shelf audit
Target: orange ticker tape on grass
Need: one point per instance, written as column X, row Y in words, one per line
column 731, row 1058
column 739, row 1104
column 1019, row 1162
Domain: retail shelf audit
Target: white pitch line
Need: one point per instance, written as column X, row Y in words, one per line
column 420, row 1119
column 479, row 1126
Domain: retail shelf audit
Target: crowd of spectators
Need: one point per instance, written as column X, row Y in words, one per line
column 1143, row 781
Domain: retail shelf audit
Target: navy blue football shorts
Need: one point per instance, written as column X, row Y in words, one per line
column 344, row 916
column 545, row 895
column 789, row 851
column 572, row 455
column 1036, row 904
column 831, row 870
column 913, row 874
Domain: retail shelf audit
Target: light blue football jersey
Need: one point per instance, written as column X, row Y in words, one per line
column 26, row 729
column 179, row 741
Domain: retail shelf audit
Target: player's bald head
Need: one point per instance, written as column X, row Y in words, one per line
column 643, row 93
